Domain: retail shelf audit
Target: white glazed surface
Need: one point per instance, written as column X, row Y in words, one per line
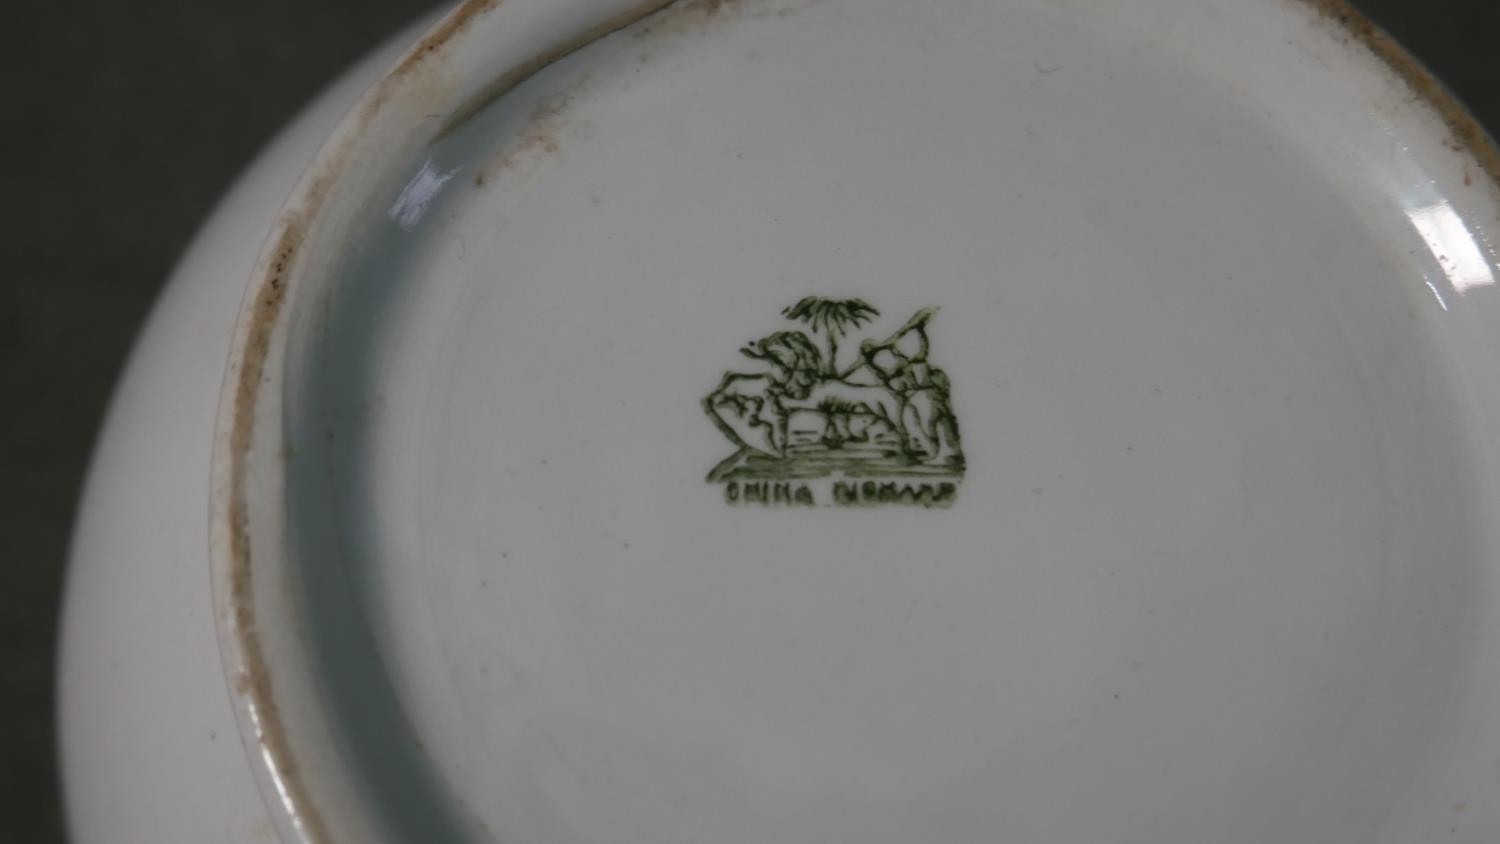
column 150, row 750
column 1219, row 569
column 1213, row 569
column 1218, row 306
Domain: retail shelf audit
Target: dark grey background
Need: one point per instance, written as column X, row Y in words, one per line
column 123, row 122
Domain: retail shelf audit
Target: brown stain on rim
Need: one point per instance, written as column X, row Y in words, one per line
column 685, row 15
column 541, row 133
column 448, row 27
column 417, row 57
column 1467, row 134
column 253, row 679
column 507, row 81
column 542, row 129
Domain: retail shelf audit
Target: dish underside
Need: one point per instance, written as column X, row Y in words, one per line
column 1126, row 477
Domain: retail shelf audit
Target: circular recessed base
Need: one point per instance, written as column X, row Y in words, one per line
column 863, row 421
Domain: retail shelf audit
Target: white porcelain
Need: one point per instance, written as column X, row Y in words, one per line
column 511, row 541
column 149, row 747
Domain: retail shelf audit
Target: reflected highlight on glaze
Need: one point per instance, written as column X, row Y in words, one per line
column 275, row 773
column 409, row 207
column 1457, row 251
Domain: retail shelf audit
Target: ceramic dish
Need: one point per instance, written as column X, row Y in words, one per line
column 858, row 420
column 148, row 745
